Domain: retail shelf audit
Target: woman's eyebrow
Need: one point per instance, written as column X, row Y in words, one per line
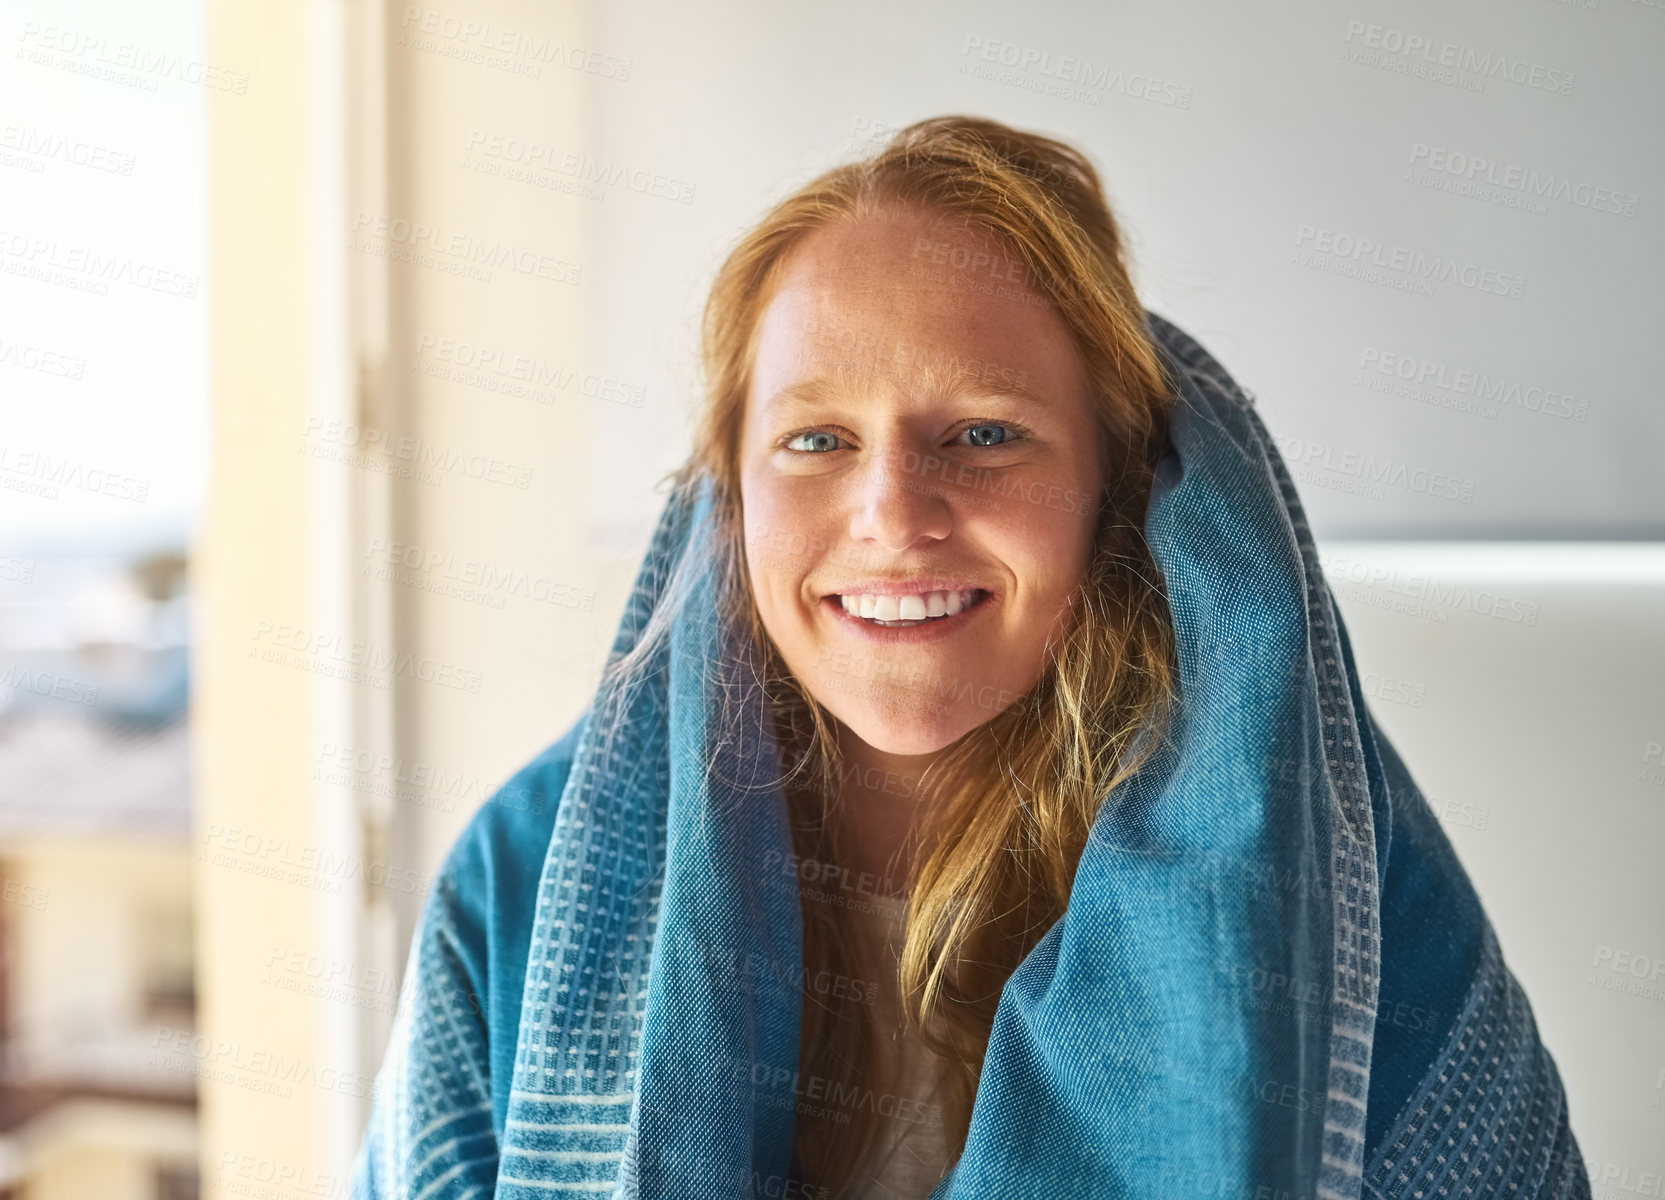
column 963, row 378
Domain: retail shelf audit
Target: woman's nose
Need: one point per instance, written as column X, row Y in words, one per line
column 895, row 505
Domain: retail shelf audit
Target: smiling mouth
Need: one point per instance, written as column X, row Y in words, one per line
column 907, row 612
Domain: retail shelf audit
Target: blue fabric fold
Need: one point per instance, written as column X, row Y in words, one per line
column 1272, row 979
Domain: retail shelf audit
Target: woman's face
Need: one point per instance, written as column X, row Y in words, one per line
column 919, row 445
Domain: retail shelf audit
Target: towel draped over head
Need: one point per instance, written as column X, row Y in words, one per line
column 1206, row 1018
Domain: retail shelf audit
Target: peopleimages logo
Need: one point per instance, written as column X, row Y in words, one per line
column 1069, row 74
column 1492, row 392
column 493, row 369
column 1431, row 52
column 29, row 357
column 1317, row 455
column 495, row 580
column 255, row 853
column 36, row 473
column 326, row 653
column 333, row 439
column 146, row 63
column 1437, row 267
column 537, row 157
column 1511, row 177
column 1417, row 586
column 45, row 146
column 479, row 41
column 1613, row 1179
column 463, row 248
column 40, row 257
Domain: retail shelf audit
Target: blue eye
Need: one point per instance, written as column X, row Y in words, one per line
column 819, row 440
column 986, row 434
column 980, row 434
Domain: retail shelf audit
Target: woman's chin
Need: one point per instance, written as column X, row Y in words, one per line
column 908, row 733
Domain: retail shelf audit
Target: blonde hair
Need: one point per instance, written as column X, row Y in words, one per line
column 1008, row 806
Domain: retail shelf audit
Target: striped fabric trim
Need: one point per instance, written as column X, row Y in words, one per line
column 431, row 1134
column 563, row 1143
column 1478, row 1124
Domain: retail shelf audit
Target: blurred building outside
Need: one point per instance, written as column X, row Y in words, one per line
column 99, row 1056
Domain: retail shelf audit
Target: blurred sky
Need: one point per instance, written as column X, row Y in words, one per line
column 93, row 166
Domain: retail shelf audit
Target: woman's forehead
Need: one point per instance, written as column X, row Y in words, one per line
column 882, row 242
column 928, row 331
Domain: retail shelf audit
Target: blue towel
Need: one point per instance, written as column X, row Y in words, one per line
column 1273, row 978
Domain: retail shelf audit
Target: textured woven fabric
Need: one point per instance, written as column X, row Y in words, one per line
column 1272, row 979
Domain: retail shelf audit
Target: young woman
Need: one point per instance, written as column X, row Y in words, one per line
column 980, row 800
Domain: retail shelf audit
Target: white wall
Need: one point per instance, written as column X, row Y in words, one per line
column 1280, row 131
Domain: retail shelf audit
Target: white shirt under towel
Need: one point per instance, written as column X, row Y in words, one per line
column 912, row 1153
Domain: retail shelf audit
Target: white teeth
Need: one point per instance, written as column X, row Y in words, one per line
column 916, row 608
